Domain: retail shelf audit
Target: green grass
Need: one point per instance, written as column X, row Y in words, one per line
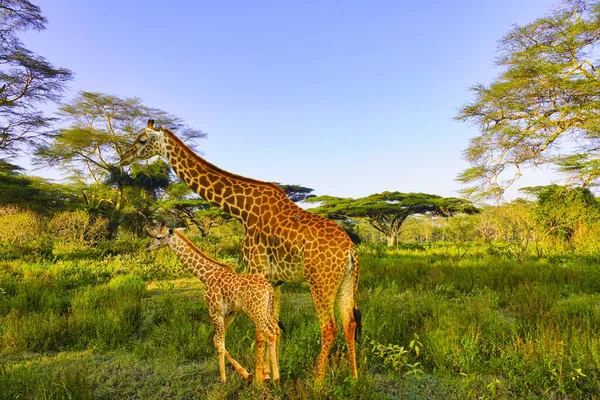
column 134, row 325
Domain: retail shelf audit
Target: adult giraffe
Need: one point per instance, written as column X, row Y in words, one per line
column 283, row 241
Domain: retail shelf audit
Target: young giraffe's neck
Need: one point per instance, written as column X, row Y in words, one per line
column 198, row 263
column 236, row 195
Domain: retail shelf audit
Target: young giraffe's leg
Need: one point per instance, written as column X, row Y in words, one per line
column 275, row 314
column 266, row 327
column 240, row 370
column 324, row 298
column 255, row 264
column 260, row 356
column 345, row 298
column 219, row 341
column 273, row 343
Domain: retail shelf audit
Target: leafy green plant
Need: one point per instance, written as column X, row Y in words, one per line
column 397, row 357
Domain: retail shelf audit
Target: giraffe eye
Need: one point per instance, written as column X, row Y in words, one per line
column 143, row 141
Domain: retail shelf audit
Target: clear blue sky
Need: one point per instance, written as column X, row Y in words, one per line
column 349, row 98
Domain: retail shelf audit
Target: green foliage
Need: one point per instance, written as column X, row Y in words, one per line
column 544, row 101
column 99, row 129
column 192, row 212
column 463, row 313
column 436, row 328
column 562, row 212
column 19, row 227
column 77, row 229
column 397, row 357
column 30, row 192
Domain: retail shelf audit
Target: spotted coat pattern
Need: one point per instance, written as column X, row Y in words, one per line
column 283, row 241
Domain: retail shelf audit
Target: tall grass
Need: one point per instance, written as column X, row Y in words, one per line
column 131, row 325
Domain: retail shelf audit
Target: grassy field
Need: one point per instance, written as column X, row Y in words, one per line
column 134, row 325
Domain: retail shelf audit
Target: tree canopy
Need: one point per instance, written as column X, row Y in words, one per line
column 98, row 130
column 26, row 79
column 387, row 211
column 544, row 108
column 31, row 192
column 296, row 193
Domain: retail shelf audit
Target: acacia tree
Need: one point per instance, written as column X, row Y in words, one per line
column 387, row 211
column 99, row 129
column 544, row 109
column 26, row 79
column 296, row 193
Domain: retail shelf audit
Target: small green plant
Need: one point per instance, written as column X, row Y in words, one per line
column 397, row 357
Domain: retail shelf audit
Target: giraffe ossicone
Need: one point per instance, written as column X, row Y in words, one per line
column 283, row 241
column 227, row 293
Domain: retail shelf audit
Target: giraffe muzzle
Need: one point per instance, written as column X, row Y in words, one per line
column 128, row 157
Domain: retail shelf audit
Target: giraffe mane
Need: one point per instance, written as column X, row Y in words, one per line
column 189, row 152
column 199, row 252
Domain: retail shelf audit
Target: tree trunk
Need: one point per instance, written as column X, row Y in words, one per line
column 392, row 239
column 116, row 217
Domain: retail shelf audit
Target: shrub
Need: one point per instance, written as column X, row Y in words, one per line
column 77, row 229
column 19, row 226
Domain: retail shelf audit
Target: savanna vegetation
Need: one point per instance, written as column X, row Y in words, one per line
column 500, row 304
column 459, row 299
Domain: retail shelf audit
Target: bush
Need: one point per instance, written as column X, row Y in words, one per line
column 77, row 229
column 19, row 227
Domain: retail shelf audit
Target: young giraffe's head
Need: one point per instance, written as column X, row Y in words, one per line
column 162, row 236
column 148, row 143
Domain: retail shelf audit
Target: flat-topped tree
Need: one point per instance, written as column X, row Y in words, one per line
column 283, row 241
column 296, row 193
column 387, row 211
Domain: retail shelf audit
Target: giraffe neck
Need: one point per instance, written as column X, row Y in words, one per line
column 236, row 195
column 198, row 263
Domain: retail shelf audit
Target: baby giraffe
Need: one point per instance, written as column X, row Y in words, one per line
column 226, row 294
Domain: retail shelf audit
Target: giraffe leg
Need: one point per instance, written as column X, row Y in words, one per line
column 273, row 340
column 324, row 305
column 346, row 307
column 276, row 298
column 260, row 356
column 275, row 312
column 219, row 341
column 239, row 369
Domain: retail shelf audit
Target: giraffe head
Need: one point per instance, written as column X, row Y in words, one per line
column 162, row 236
column 148, row 143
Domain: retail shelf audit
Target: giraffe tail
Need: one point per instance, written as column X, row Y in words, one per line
column 281, row 326
column 356, row 311
column 358, row 320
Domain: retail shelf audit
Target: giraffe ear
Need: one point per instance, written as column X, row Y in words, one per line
column 180, row 230
column 150, row 124
column 163, row 228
